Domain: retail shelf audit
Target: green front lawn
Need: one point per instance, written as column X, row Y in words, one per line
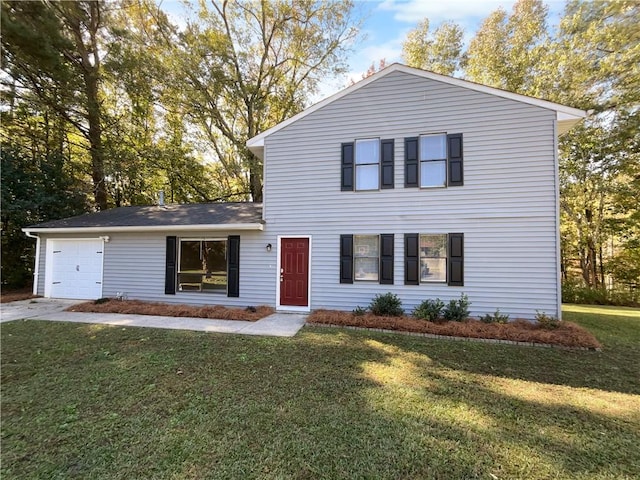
column 86, row 401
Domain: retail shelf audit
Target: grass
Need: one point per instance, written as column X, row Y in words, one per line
column 87, row 401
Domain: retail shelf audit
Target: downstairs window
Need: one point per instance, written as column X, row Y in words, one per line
column 202, row 265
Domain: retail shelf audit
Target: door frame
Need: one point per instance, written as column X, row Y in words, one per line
column 292, row 308
column 48, row 263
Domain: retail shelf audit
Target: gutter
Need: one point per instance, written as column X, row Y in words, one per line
column 36, row 269
column 152, row 228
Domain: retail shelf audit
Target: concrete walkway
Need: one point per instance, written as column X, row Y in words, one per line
column 276, row 325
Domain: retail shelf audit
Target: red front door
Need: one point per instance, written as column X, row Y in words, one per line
column 294, row 272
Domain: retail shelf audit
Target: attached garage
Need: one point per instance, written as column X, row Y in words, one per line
column 74, row 268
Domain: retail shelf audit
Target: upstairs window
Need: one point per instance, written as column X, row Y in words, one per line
column 433, row 160
column 367, row 164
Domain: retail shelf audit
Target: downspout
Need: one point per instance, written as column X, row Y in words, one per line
column 36, row 270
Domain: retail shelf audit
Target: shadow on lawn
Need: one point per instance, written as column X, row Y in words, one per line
column 144, row 403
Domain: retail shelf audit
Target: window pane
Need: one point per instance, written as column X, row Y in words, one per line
column 433, row 147
column 365, row 245
column 433, row 174
column 367, row 177
column 367, row 151
column 366, row 261
column 203, row 265
column 190, row 256
column 366, row 268
column 433, row 245
column 433, row 269
column 215, row 265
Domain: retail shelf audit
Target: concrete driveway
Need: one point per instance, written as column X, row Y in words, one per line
column 275, row 325
column 34, row 307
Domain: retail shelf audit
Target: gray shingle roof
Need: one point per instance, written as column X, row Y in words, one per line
column 168, row 215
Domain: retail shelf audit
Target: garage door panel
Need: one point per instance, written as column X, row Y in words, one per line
column 76, row 269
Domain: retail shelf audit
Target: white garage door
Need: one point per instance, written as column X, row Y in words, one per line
column 75, row 269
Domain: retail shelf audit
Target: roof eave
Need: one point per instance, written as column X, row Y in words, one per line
column 148, row 228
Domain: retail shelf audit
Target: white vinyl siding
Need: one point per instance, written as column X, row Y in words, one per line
column 134, row 264
column 506, row 208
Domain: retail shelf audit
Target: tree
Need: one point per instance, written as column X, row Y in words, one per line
column 36, row 187
column 508, row 51
column 591, row 61
column 246, row 66
column 440, row 52
column 52, row 50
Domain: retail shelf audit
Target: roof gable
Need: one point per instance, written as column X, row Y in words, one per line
column 565, row 116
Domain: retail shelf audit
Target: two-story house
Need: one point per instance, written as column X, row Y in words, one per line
column 407, row 182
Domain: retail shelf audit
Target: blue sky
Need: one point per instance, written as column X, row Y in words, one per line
column 386, row 23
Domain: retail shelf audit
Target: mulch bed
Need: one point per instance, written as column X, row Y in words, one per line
column 567, row 334
column 17, row 295
column 138, row 307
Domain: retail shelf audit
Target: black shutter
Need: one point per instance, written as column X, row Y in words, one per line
column 456, row 260
column 170, row 266
column 411, row 163
column 386, row 259
column 347, row 167
column 233, row 266
column 454, row 157
column 346, row 258
column 411, row 259
column 386, row 175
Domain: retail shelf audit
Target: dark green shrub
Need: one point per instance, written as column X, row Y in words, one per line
column 359, row 311
column 496, row 317
column 457, row 310
column 430, row 310
column 101, row 300
column 574, row 291
column 387, row 304
column 547, row 322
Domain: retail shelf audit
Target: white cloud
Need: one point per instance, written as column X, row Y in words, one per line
column 458, row 10
column 464, row 12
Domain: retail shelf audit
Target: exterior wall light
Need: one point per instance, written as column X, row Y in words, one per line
column 268, row 247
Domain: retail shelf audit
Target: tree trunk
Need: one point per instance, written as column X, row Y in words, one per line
column 95, row 139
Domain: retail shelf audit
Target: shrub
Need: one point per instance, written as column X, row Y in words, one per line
column 387, row 304
column 359, row 311
column 430, row 310
column 547, row 322
column 574, row 291
column 496, row 317
column 457, row 310
column 101, row 300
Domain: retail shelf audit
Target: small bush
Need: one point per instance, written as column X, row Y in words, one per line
column 547, row 322
column 457, row 310
column 430, row 310
column 101, row 300
column 387, row 304
column 250, row 309
column 496, row 317
column 359, row 311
